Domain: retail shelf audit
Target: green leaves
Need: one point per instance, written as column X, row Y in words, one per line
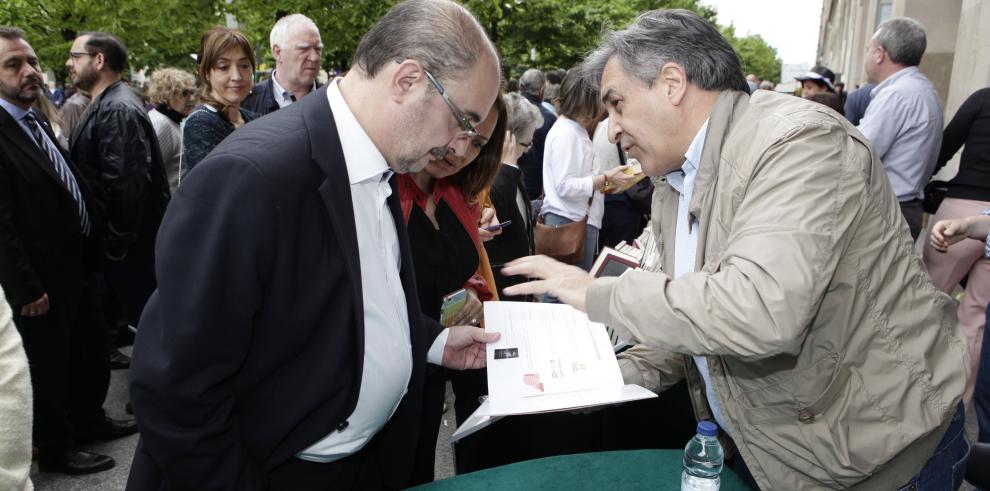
column 546, row 34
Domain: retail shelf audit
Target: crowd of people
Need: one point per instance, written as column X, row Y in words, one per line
column 283, row 250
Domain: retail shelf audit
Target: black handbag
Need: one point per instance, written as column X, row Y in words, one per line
column 934, row 194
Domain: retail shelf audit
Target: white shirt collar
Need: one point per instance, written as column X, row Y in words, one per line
column 364, row 160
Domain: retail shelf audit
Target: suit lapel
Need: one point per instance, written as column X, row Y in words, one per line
column 335, row 191
column 20, row 140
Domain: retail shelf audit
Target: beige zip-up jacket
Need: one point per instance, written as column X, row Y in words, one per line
column 834, row 359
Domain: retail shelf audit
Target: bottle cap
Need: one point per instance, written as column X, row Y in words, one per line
column 707, row 428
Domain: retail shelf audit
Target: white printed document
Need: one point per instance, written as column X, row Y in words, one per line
column 549, row 357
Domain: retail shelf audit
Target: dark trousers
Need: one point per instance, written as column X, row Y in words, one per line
column 70, row 371
column 131, row 281
column 981, row 394
column 434, row 390
column 913, row 213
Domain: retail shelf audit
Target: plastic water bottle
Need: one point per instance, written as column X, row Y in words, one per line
column 702, row 460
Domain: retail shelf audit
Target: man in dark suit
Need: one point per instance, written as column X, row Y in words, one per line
column 48, row 258
column 285, row 347
column 296, row 47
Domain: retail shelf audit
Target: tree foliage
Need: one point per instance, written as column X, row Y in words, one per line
column 528, row 33
column 162, row 32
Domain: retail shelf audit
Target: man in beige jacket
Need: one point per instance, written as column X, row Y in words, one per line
column 800, row 316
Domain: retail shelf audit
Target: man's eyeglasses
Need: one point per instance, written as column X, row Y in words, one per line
column 527, row 146
column 75, row 55
column 466, row 127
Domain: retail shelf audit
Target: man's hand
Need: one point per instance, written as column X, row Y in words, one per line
column 36, row 308
column 465, row 348
column 472, row 313
column 488, row 219
column 567, row 283
column 948, row 232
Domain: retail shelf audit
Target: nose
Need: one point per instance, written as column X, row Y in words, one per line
column 236, row 75
column 460, row 144
column 614, row 130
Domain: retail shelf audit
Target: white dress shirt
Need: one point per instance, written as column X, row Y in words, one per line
column 568, row 174
column 904, row 124
column 387, row 350
column 686, row 242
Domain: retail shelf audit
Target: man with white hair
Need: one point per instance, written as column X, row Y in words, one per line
column 296, row 47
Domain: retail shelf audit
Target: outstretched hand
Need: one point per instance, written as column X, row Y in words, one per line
column 567, row 283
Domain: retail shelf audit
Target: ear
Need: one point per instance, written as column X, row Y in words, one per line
column 404, row 79
column 99, row 61
column 276, row 52
column 675, row 82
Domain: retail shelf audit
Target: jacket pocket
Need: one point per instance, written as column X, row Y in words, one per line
column 847, row 432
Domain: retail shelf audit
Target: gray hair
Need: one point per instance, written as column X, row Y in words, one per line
column 442, row 35
column 11, row 33
column 665, row 36
column 531, row 82
column 280, row 31
column 524, row 116
column 904, row 39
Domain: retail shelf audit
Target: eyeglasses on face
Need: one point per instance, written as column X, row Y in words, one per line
column 467, row 128
column 75, row 55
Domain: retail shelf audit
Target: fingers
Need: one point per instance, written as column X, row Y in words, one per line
column 538, row 287
column 480, row 336
column 532, row 266
column 487, row 217
column 485, row 235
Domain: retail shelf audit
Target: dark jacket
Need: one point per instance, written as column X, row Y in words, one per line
column 116, row 149
column 42, row 248
column 202, row 131
column 261, row 100
column 516, row 239
column 857, row 102
column 970, row 126
column 251, row 349
column 531, row 162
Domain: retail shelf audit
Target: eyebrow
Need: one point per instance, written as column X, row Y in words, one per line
column 307, row 45
column 228, row 60
column 608, row 95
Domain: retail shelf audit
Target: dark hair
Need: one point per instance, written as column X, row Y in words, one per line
column 904, row 39
column 829, row 99
column 111, row 47
column 11, row 33
column 214, row 43
column 442, row 35
column 555, row 77
column 579, row 98
column 480, row 174
column 665, row 36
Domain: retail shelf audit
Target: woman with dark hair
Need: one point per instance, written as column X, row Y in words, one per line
column 442, row 210
column 572, row 186
column 226, row 67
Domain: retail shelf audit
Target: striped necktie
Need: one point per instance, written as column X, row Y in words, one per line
column 61, row 169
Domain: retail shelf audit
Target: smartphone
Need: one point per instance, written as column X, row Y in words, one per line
column 452, row 304
column 499, row 226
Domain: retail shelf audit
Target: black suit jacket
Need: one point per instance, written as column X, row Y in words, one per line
column 251, row 349
column 261, row 100
column 531, row 162
column 42, row 249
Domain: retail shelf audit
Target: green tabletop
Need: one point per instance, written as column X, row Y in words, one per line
column 632, row 469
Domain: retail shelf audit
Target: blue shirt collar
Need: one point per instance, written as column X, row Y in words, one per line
column 15, row 111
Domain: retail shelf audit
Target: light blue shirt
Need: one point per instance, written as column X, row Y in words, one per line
column 18, row 114
column 686, row 242
column 904, row 124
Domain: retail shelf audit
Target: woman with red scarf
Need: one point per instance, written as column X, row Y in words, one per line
column 442, row 212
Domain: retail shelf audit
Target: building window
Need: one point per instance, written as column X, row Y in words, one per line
column 884, row 8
